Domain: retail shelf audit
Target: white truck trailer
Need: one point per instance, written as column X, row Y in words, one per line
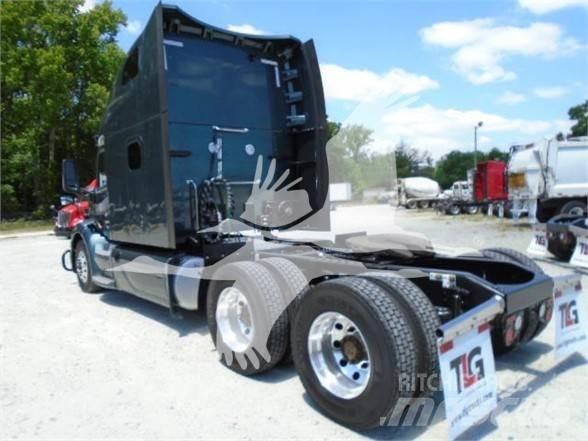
column 339, row 192
column 549, row 177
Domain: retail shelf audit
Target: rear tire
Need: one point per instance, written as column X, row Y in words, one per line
column 532, row 322
column 83, row 268
column 389, row 347
column 292, row 283
column 423, row 320
column 560, row 249
column 472, row 209
column 453, row 210
column 576, row 208
column 424, row 204
column 411, row 205
column 247, row 318
column 518, row 257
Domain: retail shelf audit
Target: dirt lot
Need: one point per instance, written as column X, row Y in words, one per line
column 111, row 366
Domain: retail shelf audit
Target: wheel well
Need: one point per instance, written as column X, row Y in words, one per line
column 557, row 203
column 74, row 243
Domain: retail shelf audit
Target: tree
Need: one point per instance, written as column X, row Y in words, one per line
column 353, row 140
column 497, row 155
column 412, row 162
column 579, row 113
column 58, row 64
column 453, row 167
column 332, row 129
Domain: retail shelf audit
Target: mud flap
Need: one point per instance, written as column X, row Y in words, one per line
column 571, row 330
column 468, row 372
column 538, row 245
column 580, row 256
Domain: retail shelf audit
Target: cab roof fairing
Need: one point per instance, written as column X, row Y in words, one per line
column 175, row 15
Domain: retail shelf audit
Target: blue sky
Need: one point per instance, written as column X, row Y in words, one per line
column 427, row 71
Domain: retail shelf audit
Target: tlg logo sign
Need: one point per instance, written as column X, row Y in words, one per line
column 569, row 314
column 570, row 321
column 468, row 368
column 468, row 376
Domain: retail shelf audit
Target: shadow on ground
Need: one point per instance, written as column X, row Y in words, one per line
column 191, row 321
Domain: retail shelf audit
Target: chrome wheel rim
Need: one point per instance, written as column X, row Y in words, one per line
column 234, row 319
column 82, row 266
column 339, row 355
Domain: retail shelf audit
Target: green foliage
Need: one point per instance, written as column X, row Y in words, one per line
column 580, row 114
column 332, row 128
column 351, row 161
column 412, row 162
column 496, row 154
column 57, row 67
column 453, row 167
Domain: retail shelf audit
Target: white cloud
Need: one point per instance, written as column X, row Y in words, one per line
column 246, row 29
column 481, row 46
column 439, row 130
column 550, row 92
column 134, row 27
column 547, row 6
column 510, row 98
column 364, row 85
column 88, row 5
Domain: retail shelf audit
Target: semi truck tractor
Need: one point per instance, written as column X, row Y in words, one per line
column 485, row 189
column 549, row 177
column 213, row 144
column 74, row 208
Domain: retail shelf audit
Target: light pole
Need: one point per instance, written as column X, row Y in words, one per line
column 476, row 143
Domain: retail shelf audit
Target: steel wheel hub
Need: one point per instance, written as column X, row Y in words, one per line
column 577, row 211
column 234, row 320
column 82, row 266
column 339, row 355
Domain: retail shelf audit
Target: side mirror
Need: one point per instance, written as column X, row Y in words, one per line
column 70, row 180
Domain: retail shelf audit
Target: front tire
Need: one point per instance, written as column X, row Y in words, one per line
column 354, row 351
column 83, row 268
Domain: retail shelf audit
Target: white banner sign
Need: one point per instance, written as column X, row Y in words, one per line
column 538, row 246
column 468, row 376
column 580, row 256
column 570, row 318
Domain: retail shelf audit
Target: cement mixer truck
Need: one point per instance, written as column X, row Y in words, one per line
column 418, row 192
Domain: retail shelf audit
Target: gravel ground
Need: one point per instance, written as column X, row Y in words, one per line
column 112, row 366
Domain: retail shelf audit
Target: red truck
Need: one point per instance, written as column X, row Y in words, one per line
column 74, row 209
column 487, row 186
column 491, row 182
